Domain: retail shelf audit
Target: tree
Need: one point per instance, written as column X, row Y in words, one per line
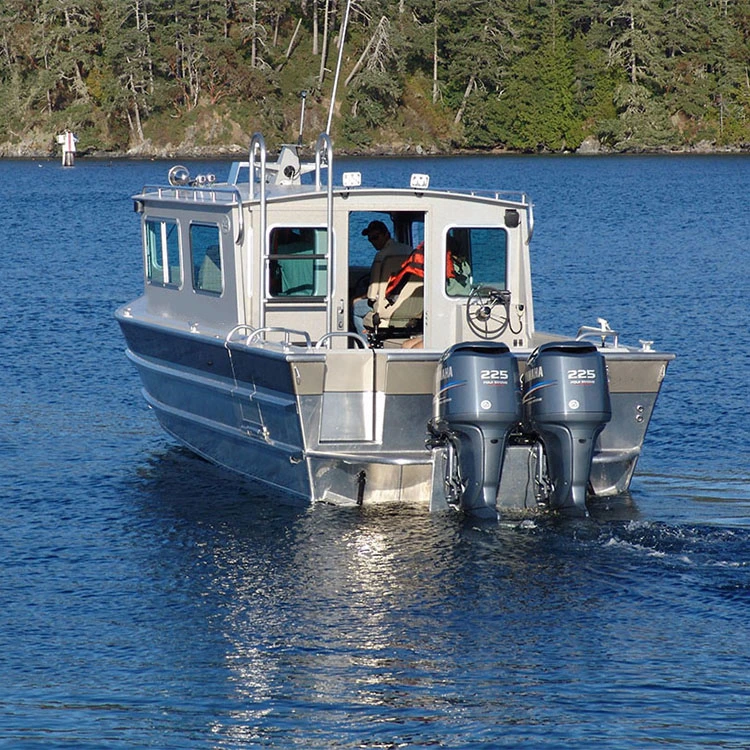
column 251, row 17
column 529, row 103
column 533, row 75
column 478, row 40
column 127, row 81
column 374, row 85
column 637, row 26
column 188, row 33
column 66, row 41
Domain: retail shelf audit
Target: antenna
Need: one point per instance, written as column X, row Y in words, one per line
column 303, row 95
column 342, row 39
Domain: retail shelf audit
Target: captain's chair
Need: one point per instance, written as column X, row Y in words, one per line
column 397, row 314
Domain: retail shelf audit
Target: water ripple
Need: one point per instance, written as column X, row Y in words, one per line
column 149, row 599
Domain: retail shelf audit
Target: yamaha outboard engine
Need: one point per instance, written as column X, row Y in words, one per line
column 477, row 404
column 566, row 403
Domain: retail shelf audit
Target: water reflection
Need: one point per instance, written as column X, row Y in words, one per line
column 369, row 626
column 151, row 599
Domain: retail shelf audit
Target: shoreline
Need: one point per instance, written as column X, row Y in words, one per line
column 232, row 151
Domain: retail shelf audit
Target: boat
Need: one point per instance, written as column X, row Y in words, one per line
column 450, row 397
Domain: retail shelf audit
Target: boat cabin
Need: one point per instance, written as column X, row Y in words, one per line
column 268, row 252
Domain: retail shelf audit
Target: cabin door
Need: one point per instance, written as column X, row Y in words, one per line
column 380, row 242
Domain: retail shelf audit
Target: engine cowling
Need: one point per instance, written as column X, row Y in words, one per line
column 566, row 403
column 478, row 401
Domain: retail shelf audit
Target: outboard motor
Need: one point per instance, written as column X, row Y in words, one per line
column 477, row 404
column 566, row 403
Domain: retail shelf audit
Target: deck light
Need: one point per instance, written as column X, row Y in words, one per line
column 352, row 179
column 178, row 176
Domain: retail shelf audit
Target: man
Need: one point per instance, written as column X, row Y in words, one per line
column 380, row 238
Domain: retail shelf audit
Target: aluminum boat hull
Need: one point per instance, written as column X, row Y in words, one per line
column 266, row 413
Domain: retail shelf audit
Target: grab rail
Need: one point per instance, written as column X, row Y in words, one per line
column 325, row 338
column 241, row 327
column 324, row 144
column 531, row 217
column 586, row 333
column 257, row 148
column 287, row 333
column 254, row 333
column 258, row 153
column 240, row 219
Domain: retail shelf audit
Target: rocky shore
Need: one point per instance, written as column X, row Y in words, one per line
column 45, row 147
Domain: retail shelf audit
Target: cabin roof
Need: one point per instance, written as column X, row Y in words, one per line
column 225, row 194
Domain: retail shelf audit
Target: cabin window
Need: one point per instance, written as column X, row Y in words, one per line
column 474, row 256
column 206, row 256
column 298, row 262
column 405, row 227
column 162, row 238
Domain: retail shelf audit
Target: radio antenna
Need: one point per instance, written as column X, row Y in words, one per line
column 303, row 96
column 342, row 39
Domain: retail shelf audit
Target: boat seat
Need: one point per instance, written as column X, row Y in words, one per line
column 400, row 320
column 380, row 275
column 406, row 311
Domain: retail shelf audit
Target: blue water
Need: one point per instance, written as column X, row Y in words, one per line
column 148, row 599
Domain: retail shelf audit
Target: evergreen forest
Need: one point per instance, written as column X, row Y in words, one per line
column 193, row 76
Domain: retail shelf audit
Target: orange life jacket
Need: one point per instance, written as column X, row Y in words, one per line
column 412, row 267
column 451, row 267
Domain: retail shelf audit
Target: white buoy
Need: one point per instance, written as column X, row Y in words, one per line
column 68, row 142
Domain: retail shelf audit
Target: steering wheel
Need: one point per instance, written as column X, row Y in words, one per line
column 487, row 311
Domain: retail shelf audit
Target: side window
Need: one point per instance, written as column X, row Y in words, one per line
column 162, row 238
column 298, row 265
column 474, row 257
column 206, row 256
